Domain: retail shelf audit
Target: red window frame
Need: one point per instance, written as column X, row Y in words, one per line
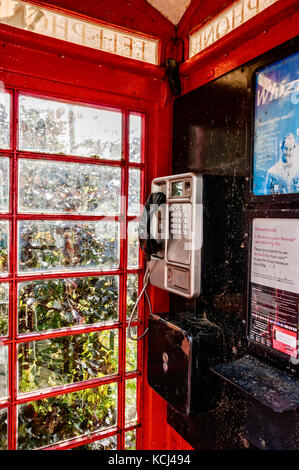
column 13, row 338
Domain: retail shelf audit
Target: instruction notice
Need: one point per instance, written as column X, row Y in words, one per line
column 274, row 284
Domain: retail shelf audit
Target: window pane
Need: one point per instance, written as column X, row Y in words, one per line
column 133, row 245
column 131, row 401
column 5, row 101
column 132, row 293
column 67, row 245
column 57, row 187
column 109, row 443
column 67, row 359
column 4, row 240
column 131, row 350
column 3, row 429
column 48, row 421
column 130, row 440
column 4, row 304
column 58, row 303
column 3, row 372
column 135, row 138
column 4, row 184
column 50, row 126
column 134, row 192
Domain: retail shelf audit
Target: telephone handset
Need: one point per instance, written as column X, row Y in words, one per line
column 149, row 244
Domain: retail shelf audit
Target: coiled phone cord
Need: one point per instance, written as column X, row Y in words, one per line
column 144, row 291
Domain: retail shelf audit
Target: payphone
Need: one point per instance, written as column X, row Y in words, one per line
column 181, row 348
column 171, row 231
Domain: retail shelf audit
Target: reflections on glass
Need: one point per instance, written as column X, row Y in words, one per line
column 54, row 419
column 135, row 124
column 5, row 104
column 3, row 429
column 58, row 303
column 67, row 245
column 4, row 226
column 4, row 305
column 131, row 351
column 132, row 293
column 67, row 359
column 133, row 244
column 4, row 184
column 130, row 440
column 109, row 443
column 55, row 127
column 3, row 372
column 131, row 401
column 134, row 192
column 57, row 187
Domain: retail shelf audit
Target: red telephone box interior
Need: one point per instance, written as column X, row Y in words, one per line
column 44, row 67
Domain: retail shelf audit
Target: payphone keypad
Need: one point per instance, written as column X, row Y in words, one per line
column 179, row 221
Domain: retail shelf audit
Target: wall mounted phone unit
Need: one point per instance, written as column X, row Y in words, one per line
column 172, row 232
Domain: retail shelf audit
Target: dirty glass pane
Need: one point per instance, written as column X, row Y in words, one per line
column 4, row 184
column 3, row 429
column 58, row 188
column 135, row 124
column 5, row 102
column 131, row 350
column 133, row 245
column 131, row 401
column 54, row 419
column 3, row 372
column 134, row 192
column 59, row 303
column 67, row 359
column 67, row 245
column 50, row 126
column 4, row 305
column 109, row 443
column 4, row 240
column 130, row 440
column 132, row 293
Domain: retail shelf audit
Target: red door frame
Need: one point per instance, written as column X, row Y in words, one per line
column 39, row 70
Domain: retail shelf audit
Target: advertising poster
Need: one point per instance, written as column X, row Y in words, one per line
column 274, row 285
column 276, row 128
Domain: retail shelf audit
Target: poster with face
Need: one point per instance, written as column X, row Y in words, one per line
column 276, row 128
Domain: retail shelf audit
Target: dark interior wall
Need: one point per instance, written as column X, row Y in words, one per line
column 210, row 130
column 212, row 134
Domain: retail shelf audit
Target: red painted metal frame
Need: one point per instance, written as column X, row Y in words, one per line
column 13, row 338
column 48, row 66
column 269, row 28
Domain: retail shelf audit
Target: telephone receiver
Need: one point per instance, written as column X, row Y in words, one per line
column 149, row 244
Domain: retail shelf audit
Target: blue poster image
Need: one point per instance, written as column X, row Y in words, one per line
column 276, row 128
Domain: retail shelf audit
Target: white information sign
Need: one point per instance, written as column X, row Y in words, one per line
column 275, row 253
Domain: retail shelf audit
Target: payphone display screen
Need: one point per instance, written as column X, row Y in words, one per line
column 177, row 188
column 274, row 289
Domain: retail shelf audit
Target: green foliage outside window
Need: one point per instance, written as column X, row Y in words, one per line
column 54, row 419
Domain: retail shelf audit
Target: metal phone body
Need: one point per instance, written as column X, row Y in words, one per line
column 178, row 225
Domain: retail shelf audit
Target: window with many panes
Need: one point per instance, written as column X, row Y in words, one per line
column 71, row 179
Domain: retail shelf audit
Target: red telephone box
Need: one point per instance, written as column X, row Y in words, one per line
column 87, row 94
